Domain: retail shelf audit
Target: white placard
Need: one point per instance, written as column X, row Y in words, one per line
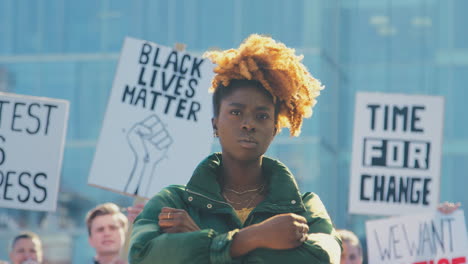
column 32, row 139
column 396, row 156
column 157, row 126
column 418, row 239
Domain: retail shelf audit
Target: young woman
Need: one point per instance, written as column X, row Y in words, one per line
column 239, row 206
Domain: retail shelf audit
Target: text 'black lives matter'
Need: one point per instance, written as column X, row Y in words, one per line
column 166, row 85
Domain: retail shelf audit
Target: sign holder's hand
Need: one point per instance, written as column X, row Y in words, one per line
column 132, row 213
column 448, row 208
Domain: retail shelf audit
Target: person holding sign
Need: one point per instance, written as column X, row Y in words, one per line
column 26, row 248
column 240, row 206
column 448, row 207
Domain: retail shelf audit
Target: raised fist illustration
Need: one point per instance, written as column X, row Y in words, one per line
column 149, row 141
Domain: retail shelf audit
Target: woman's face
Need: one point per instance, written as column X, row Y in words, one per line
column 245, row 123
column 350, row 254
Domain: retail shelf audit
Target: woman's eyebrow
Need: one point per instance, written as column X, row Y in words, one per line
column 264, row 108
column 237, row 105
column 258, row 108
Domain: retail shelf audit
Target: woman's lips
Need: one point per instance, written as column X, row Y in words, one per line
column 248, row 143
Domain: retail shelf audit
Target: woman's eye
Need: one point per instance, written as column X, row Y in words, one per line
column 263, row 116
column 235, row 112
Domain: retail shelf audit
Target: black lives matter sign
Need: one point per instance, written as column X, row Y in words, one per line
column 157, row 124
column 396, row 153
column 32, row 135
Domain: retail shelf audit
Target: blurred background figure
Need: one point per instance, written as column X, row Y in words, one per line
column 108, row 231
column 352, row 250
column 107, row 228
column 26, row 248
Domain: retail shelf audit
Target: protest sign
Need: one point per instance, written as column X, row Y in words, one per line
column 157, row 126
column 32, row 138
column 396, row 155
column 418, row 239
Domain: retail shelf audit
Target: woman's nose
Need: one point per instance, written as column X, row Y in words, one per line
column 248, row 124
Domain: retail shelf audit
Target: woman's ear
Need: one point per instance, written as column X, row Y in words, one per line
column 214, row 120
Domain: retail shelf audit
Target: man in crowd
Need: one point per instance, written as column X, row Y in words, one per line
column 26, row 248
column 107, row 229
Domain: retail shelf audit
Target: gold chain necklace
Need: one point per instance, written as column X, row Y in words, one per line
column 246, row 191
column 248, row 200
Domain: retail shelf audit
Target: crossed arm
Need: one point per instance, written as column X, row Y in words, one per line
column 165, row 234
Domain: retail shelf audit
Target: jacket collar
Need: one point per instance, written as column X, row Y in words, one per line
column 283, row 193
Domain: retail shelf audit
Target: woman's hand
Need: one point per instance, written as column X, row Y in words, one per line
column 284, row 231
column 173, row 220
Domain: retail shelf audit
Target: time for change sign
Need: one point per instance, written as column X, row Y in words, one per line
column 157, row 126
column 32, row 139
column 396, row 155
column 432, row 238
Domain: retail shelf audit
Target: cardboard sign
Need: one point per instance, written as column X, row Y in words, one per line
column 418, row 239
column 396, row 154
column 32, row 138
column 157, row 127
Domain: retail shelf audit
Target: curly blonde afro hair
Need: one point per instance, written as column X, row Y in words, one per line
column 277, row 69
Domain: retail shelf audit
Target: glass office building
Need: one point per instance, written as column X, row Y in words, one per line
column 69, row 50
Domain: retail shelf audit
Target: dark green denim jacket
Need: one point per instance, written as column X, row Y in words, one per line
column 218, row 222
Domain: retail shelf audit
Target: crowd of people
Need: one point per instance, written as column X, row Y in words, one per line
column 107, row 234
column 239, row 205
